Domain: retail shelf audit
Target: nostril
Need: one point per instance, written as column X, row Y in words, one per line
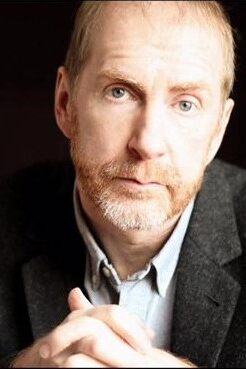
column 135, row 154
column 146, row 146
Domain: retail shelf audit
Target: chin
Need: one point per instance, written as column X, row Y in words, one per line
column 134, row 214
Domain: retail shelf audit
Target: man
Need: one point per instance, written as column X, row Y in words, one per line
column 138, row 261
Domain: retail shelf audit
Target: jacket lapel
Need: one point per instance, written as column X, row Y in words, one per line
column 48, row 280
column 206, row 293
column 46, row 293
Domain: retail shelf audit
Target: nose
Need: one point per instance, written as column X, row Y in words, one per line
column 147, row 140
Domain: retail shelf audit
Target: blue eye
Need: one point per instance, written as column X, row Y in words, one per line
column 118, row 92
column 185, row 105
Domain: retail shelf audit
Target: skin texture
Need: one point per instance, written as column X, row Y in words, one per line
column 146, row 119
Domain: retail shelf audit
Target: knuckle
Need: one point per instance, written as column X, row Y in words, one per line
column 56, row 338
column 94, row 325
column 93, row 346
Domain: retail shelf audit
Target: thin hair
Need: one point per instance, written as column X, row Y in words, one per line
column 90, row 12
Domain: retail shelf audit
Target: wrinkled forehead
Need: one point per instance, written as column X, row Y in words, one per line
column 154, row 22
column 161, row 29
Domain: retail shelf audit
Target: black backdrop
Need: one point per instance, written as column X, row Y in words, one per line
column 33, row 40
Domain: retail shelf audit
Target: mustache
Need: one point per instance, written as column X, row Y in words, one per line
column 140, row 171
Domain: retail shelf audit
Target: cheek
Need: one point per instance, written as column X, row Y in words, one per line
column 101, row 133
column 189, row 154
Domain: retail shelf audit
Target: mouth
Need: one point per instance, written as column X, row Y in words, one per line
column 139, row 183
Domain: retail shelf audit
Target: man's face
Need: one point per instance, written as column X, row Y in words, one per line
column 148, row 115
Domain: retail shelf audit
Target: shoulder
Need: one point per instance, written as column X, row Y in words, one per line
column 225, row 178
column 234, row 173
column 222, row 173
column 232, row 176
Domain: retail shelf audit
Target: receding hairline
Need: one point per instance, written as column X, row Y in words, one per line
column 209, row 13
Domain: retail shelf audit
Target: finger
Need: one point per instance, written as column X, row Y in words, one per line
column 68, row 333
column 77, row 300
column 92, row 337
column 82, row 361
column 128, row 326
column 111, row 350
column 77, row 325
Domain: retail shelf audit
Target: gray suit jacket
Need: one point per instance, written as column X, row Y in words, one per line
column 42, row 257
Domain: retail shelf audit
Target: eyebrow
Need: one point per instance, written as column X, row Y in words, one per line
column 122, row 78
column 174, row 87
column 189, row 86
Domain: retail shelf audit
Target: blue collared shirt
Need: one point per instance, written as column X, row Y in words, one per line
column 148, row 293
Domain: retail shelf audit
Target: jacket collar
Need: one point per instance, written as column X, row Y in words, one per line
column 46, row 292
column 206, row 293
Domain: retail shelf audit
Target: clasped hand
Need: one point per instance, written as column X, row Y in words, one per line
column 102, row 336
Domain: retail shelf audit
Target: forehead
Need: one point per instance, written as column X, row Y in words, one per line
column 153, row 21
column 154, row 37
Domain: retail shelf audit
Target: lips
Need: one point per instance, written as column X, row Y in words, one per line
column 140, row 181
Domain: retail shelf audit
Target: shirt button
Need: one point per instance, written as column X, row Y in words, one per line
column 106, row 272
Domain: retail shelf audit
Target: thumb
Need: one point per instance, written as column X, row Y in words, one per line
column 77, row 300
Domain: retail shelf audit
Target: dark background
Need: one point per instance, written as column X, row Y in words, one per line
column 33, row 40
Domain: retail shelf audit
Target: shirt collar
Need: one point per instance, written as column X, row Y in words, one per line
column 97, row 256
column 164, row 262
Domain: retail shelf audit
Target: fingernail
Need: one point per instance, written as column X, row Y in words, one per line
column 77, row 290
column 44, row 351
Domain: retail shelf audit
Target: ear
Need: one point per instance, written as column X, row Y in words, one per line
column 220, row 130
column 63, row 109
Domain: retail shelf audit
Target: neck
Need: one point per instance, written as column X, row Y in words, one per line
column 128, row 251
